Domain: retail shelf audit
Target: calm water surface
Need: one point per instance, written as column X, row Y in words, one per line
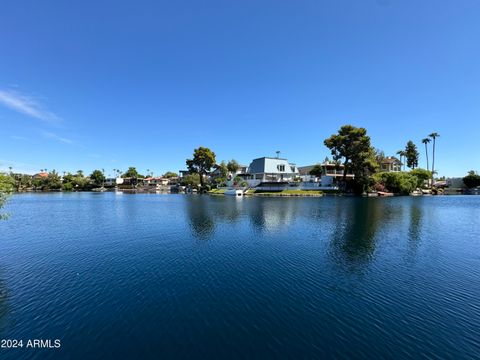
column 177, row 276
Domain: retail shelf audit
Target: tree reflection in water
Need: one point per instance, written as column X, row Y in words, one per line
column 358, row 222
column 201, row 221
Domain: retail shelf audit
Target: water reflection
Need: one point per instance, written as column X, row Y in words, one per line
column 355, row 234
column 4, row 308
column 200, row 218
column 265, row 215
column 269, row 215
column 415, row 227
column 352, row 227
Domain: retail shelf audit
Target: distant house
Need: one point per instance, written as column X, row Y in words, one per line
column 154, row 181
column 41, row 175
column 330, row 175
column 390, row 164
column 269, row 169
column 110, row 181
column 183, row 173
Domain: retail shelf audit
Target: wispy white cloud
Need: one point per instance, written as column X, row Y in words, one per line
column 50, row 135
column 15, row 137
column 27, row 105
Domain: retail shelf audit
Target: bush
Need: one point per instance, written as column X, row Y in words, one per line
column 68, row 186
column 6, row 187
column 397, row 182
column 472, row 180
column 422, row 175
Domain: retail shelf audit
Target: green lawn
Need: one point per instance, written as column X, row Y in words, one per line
column 217, row 191
column 286, row 193
column 273, row 193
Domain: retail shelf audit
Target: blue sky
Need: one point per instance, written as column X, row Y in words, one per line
column 112, row 84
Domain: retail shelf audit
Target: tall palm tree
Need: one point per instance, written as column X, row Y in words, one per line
column 426, row 141
column 402, row 154
column 434, row 136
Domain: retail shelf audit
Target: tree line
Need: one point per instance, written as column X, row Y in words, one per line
column 352, row 148
column 78, row 181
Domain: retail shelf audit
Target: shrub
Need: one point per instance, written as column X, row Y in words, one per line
column 68, row 186
column 397, row 182
column 471, row 180
column 422, row 175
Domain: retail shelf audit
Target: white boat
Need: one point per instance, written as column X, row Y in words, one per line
column 233, row 192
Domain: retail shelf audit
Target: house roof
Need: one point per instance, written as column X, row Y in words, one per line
column 41, row 174
column 270, row 165
column 391, row 160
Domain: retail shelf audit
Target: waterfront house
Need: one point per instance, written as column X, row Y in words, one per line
column 40, row 175
column 154, row 181
column 330, row 176
column 390, row 164
column 270, row 170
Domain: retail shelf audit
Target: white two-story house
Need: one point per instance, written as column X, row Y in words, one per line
column 271, row 170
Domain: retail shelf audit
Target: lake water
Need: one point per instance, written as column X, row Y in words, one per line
column 188, row 276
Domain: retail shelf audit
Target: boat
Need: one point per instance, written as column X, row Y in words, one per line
column 233, row 192
column 383, row 193
column 100, row 189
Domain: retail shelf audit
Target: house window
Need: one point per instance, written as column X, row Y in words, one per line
column 281, row 167
column 292, row 168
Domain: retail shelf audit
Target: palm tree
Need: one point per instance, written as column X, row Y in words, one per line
column 426, row 141
column 402, row 154
column 434, row 136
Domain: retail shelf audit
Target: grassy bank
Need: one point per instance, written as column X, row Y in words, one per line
column 253, row 192
column 314, row 193
column 217, row 191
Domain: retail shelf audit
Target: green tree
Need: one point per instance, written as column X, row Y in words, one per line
column 222, row 168
column 233, row 166
column 54, row 182
column 316, row 171
column 191, row 180
column 426, row 141
column 97, row 177
column 351, row 146
column 422, row 176
column 472, row 180
column 170, row 174
column 6, row 187
column 76, row 182
column 402, row 154
column 68, row 186
column 411, row 155
column 131, row 173
column 434, row 136
column 397, row 182
column 202, row 162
